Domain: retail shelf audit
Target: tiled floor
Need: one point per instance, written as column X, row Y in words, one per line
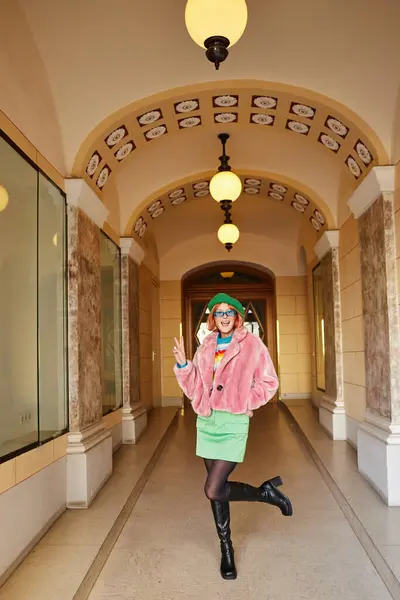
column 169, row 550
column 380, row 523
column 54, row 570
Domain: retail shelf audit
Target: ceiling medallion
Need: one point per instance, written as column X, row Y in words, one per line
column 93, row 164
column 354, row 167
column 224, row 101
column 116, row 136
column 140, row 227
column 216, row 26
column 124, row 151
column 154, row 206
column 226, row 117
column 179, row 200
column 336, row 126
column 279, row 188
column 275, row 196
column 315, row 224
column 200, row 185
column 297, row 127
column 302, row 110
column 252, row 190
column 189, row 122
column 150, row 117
column 186, row 106
column 320, row 218
column 156, row 132
column 103, row 176
column 252, row 181
column 299, row 207
column 363, row 152
column 156, row 213
column 264, row 101
column 261, row 119
column 299, row 198
column 329, row 142
column 176, row 193
column 202, row 193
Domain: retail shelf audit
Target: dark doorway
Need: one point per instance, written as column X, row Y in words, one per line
column 252, row 285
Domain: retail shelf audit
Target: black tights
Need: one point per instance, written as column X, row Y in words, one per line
column 216, row 486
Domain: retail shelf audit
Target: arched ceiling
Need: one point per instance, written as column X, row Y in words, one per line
column 262, row 197
column 101, row 57
column 280, row 129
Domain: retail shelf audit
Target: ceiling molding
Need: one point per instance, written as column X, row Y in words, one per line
column 131, row 248
column 328, row 241
column 81, row 195
column 379, row 181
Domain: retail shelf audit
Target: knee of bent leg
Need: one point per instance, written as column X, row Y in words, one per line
column 211, row 492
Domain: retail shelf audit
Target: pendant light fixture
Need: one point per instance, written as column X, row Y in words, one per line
column 225, row 188
column 225, row 185
column 216, row 25
column 3, row 198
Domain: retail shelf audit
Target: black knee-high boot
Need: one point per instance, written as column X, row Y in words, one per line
column 267, row 492
column 222, row 521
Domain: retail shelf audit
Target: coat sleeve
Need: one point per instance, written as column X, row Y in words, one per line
column 265, row 379
column 188, row 377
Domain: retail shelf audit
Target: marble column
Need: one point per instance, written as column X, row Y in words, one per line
column 134, row 416
column 331, row 410
column 379, row 436
column 89, row 450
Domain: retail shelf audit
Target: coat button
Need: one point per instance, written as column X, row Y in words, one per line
column 220, row 388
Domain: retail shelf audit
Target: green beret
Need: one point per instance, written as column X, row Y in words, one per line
column 225, row 299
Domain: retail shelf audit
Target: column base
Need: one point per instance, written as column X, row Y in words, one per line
column 378, row 447
column 332, row 417
column 134, row 422
column 89, row 464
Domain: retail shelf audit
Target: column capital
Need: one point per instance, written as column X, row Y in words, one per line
column 329, row 240
column 81, row 195
column 130, row 247
column 379, row 181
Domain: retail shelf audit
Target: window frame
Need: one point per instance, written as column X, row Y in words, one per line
column 320, row 389
column 39, row 171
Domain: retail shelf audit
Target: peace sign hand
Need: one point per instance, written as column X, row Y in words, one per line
column 179, row 352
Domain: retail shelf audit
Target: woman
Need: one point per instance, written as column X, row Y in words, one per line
column 231, row 375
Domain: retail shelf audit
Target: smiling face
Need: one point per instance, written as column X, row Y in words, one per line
column 225, row 317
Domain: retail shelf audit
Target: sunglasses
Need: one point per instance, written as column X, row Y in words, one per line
column 227, row 313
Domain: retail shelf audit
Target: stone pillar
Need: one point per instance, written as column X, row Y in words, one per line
column 134, row 417
column 89, row 450
column 331, row 411
column 379, row 436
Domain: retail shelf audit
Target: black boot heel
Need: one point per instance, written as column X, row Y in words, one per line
column 227, row 569
column 276, row 481
column 273, row 496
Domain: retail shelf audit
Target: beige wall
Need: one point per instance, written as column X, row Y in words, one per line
column 26, row 95
column 170, row 299
column 294, row 336
column 352, row 324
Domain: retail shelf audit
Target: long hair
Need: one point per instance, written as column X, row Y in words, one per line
column 212, row 326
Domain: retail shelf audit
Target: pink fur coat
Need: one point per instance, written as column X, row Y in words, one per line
column 244, row 380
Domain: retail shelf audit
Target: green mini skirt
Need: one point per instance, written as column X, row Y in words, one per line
column 222, row 436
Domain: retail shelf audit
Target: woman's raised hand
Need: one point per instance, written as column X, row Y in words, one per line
column 179, row 352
